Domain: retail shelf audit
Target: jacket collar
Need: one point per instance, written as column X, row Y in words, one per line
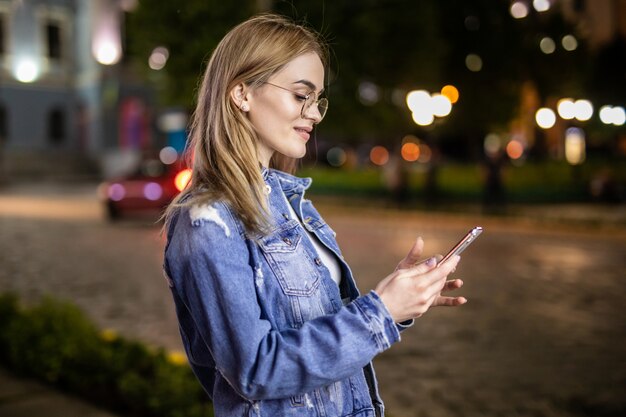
column 289, row 183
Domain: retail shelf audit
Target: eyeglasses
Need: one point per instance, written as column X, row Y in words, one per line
column 309, row 100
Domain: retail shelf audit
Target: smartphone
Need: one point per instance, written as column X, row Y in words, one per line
column 463, row 243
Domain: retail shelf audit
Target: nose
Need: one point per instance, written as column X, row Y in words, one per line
column 312, row 112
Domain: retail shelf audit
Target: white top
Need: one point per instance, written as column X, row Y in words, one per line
column 329, row 259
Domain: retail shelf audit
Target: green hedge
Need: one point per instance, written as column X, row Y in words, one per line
column 55, row 342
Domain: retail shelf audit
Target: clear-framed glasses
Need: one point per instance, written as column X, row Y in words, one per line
column 308, row 100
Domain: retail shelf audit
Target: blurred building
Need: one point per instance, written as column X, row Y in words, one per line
column 599, row 21
column 65, row 98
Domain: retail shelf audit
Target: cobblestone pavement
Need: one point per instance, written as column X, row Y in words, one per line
column 543, row 333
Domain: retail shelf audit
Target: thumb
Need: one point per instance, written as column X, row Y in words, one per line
column 414, row 254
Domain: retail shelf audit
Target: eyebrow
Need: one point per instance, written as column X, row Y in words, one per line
column 309, row 84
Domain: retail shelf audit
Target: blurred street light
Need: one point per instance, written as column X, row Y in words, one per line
column 583, row 110
column 569, row 43
column 612, row 115
column 379, row 155
column 575, row 145
column 566, row 108
column 158, row 58
column 547, row 45
column 519, row 10
column 545, row 118
column 473, row 62
column 541, row 5
column 26, row 71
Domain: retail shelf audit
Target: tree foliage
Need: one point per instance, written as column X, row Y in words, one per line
column 387, row 46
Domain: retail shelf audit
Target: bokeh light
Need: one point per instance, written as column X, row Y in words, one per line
column 168, row 155
column 492, row 144
column 519, row 10
column 26, row 71
column 336, row 156
column 612, row 115
column 566, row 108
column 441, row 105
column 152, row 191
column 379, row 155
column 158, row 58
column 583, row 110
column 515, row 149
column 541, row 5
column 410, row 152
column 575, row 145
column 116, row 192
column 547, row 45
column 473, row 62
column 426, row 153
column 417, row 99
column 423, row 117
column 182, row 179
column 107, row 52
column 545, row 118
column 569, row 43
column 369, row 93
column 451, row 92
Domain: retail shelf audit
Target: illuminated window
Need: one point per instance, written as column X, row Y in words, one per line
column 56, row 125
column 53, row 40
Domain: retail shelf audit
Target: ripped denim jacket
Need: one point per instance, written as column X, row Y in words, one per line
column 266, row 330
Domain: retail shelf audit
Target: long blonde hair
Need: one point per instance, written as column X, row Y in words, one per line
column 222, row 141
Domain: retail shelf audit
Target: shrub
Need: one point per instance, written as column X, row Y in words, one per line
column 55, row 342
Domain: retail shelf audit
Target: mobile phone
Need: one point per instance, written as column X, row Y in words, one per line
column 463, row 243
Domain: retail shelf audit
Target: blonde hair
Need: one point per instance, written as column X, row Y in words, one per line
column 222, row 141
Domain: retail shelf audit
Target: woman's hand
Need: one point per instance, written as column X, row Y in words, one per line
column 414, row 287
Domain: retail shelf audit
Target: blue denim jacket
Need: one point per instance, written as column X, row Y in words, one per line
column 266, row 330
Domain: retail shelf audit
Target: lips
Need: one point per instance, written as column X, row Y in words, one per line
column 304, row 132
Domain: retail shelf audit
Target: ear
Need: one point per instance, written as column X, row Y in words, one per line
column 239, row 96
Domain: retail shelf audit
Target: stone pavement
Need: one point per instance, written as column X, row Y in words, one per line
column 528, row 354
column 21, row 397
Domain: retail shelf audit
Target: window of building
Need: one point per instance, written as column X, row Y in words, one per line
column 2, row 35
column 56, row 126
column 4, row 130
column 53, row 40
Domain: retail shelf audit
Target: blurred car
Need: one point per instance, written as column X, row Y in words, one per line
column 150, row 188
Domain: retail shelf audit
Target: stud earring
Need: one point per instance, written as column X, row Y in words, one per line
column 244, row 107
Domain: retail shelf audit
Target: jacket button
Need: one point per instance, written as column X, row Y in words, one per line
column 286, row 216
column 318, row 261
column 287, row 241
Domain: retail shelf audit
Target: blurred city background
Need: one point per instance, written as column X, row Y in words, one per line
column 443, row 115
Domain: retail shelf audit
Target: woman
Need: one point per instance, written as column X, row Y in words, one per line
column 269, row 313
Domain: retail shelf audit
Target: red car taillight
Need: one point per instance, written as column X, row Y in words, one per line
column 182, row 179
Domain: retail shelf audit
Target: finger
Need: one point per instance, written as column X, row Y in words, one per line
column 450, row 301
column 414, row 254
column 449, row 266
column 454, row 284
column 422, row 267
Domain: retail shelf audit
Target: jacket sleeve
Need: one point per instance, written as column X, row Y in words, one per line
column 209, row 264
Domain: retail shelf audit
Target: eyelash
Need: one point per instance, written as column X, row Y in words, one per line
column 300, row 97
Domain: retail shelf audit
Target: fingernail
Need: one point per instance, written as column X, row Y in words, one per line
column 431, row 262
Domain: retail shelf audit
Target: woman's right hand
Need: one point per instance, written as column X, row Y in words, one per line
column 413, row 288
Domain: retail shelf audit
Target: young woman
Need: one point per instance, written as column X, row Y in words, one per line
column 269, row 313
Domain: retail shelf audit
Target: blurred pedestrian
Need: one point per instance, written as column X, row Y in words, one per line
column 269, row 313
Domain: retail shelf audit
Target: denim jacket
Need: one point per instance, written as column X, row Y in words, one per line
column 266, row 330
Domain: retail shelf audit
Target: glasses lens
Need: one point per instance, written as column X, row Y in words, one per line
column 322, row 106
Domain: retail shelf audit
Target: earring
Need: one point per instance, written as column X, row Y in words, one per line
column 244, row 107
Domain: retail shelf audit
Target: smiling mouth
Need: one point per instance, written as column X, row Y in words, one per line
column 304, row 133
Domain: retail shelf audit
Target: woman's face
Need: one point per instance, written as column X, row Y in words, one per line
column 275, row 112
